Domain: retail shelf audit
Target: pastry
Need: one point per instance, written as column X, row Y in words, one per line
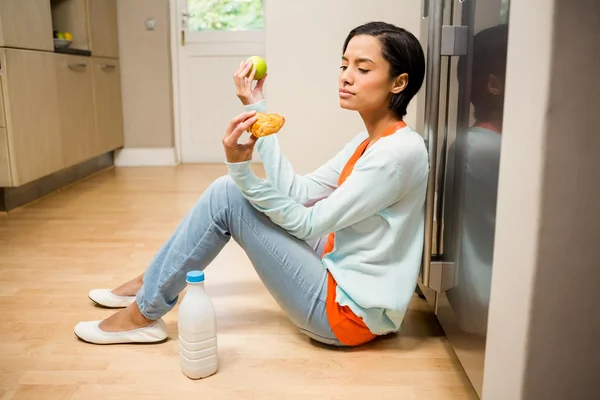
column 266, row 124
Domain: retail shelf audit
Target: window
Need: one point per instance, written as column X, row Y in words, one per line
column 225, row 15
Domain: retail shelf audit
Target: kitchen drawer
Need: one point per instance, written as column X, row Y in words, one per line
column 5, row 179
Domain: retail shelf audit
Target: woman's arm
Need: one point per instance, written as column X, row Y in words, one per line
column 378, row 180
column 304, row 189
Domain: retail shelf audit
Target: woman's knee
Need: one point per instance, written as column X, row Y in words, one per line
column 226, row 189
column 222, row 183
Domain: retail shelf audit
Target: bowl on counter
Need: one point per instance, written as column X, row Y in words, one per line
column 62, row 43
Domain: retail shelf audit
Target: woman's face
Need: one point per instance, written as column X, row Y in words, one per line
column 365, row 83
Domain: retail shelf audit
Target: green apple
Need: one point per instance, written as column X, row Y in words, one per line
column 261, row 67
column 60, row 35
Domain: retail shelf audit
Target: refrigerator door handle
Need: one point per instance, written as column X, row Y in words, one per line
column 432, row 105
column 454, row 40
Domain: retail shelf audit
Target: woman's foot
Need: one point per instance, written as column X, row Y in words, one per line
column 125, row 320
column 130, row 288
column 125, row 326
column 120, row 297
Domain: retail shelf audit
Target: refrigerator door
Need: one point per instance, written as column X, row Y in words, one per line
column 472, row 56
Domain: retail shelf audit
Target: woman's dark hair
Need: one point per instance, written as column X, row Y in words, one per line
column 402, row 50
column 489, row 58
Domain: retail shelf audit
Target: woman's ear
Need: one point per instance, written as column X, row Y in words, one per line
column 400, row 83
column 494, row 85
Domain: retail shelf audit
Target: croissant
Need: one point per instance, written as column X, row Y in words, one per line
column 266, row 124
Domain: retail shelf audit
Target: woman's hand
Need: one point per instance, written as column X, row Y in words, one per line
column 235, row 152
column 243, row 84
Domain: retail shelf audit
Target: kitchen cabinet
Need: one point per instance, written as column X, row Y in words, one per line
column 5, row 179
column 30, row 92
column 76, row 108
column 103, row 28
column 26, row 24
column 61, row 110
column 108, row 104
column 2, row 120
column 57, row 110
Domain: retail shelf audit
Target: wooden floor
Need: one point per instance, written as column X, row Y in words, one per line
column 103, row 231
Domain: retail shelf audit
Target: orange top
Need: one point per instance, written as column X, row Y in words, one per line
column 487, row 125
column 347, row 326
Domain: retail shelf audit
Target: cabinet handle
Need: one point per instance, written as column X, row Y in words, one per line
column 108, row 66
column 77, row 66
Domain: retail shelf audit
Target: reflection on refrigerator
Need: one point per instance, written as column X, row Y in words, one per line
column 471, row 297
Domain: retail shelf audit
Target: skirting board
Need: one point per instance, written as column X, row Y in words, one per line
column 145, row 157
column 13, row 197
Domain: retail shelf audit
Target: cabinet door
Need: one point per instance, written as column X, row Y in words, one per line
column 103, row 28
column 76, row 108
column 5, row 179
column 26, row 24
column 30, row 90
column 2, row 120
column 109, row 113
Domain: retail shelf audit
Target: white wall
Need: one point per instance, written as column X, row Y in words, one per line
column 303, row 49
column 544, row 324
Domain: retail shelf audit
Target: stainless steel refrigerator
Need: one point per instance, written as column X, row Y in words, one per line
column 466, row 46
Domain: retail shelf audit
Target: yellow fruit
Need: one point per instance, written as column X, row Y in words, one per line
column 68, row 36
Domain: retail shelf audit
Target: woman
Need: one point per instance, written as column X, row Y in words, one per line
column 340, row 248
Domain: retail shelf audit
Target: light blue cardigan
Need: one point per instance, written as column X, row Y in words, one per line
column 377, row 215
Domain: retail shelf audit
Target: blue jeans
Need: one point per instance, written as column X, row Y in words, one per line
column 290, row 268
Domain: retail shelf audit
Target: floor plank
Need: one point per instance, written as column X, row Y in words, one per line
column 104, row 231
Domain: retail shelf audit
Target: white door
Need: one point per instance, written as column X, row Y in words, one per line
column 213, row 37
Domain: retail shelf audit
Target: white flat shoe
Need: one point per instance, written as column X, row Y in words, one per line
column 90, row 332
column 106, row 298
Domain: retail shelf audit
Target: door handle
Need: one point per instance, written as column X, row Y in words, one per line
column 184, row 24
column 77, row 66
column 432, row 105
